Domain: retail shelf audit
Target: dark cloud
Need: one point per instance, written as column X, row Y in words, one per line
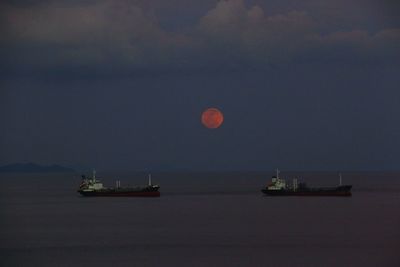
column 126, row 36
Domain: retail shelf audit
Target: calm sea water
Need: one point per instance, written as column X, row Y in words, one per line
column 201, row 219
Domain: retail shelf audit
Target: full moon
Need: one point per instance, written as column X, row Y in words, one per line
column 212, row 118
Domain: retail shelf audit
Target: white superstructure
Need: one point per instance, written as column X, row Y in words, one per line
column 91, row 184
column 277, row 183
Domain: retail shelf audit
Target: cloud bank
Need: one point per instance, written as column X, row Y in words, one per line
column 122, row 35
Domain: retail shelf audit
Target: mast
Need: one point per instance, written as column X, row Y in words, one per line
column 277, row 173
column 149, row 179
column 340, row 178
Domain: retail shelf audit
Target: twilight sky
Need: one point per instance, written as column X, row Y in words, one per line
column 303, row 85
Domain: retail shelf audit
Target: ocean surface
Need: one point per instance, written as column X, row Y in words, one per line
column 201, row 219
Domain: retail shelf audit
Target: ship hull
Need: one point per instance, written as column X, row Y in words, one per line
column 119, row 193
column 340, row 191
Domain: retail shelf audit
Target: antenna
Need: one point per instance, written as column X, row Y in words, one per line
column 149, row 179
column 94, row 174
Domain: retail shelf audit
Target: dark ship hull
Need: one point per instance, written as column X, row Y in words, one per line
column 121, row 192
column 339, row 191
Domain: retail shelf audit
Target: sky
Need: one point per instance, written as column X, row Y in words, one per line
column 121, row 85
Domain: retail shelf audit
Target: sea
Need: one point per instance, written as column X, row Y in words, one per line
column 201, row 219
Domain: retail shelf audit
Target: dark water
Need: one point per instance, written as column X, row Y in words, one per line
column 201, row 219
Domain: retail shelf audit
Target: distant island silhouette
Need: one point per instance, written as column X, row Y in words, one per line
column 33, row 167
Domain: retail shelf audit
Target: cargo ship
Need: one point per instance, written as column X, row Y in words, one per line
column 279, row 187
column 92, row 187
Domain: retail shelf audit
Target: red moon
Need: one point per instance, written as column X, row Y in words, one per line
column 212, row 118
